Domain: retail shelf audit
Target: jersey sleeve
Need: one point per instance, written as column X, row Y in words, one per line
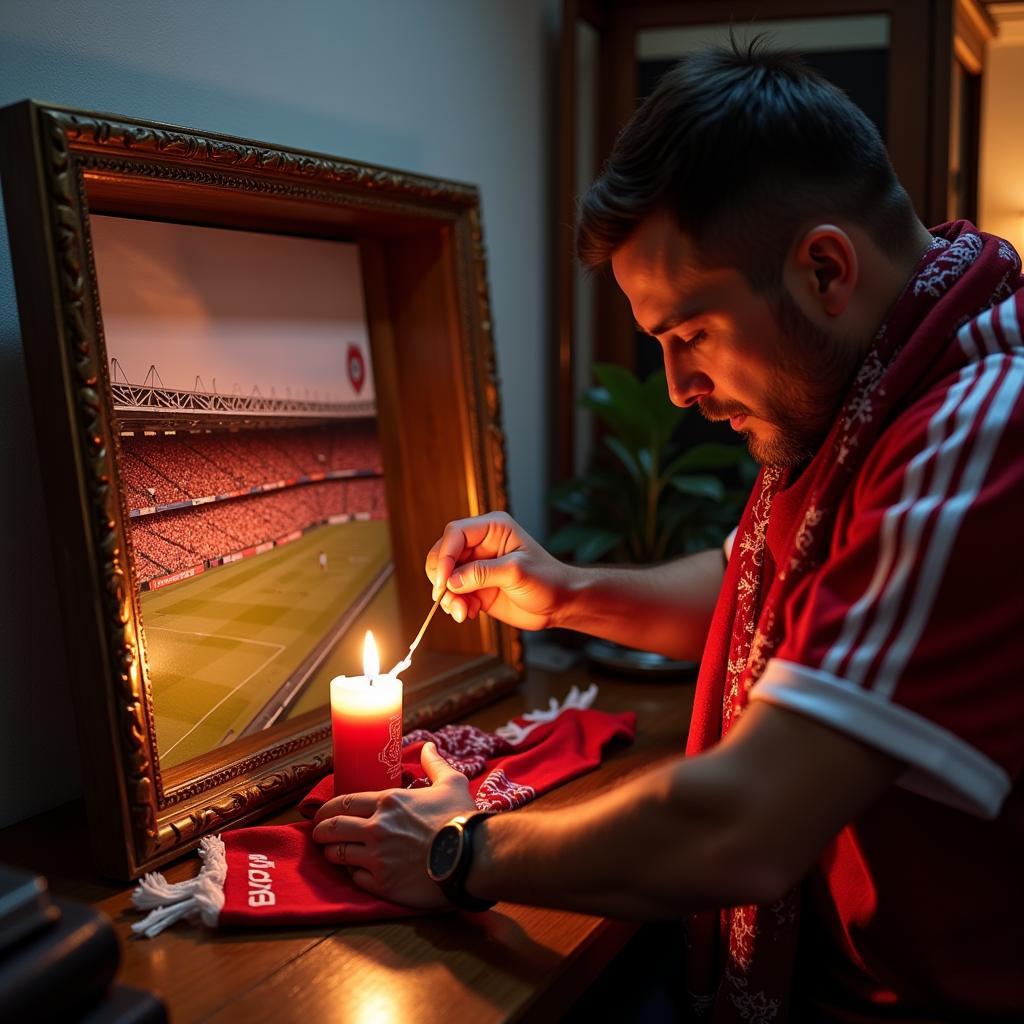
column 910, row 636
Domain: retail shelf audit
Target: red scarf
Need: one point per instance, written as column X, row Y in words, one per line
column 274, row 875
column 740, row 960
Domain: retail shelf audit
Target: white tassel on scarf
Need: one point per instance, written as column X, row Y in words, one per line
column 515, row 733
column 201, row 897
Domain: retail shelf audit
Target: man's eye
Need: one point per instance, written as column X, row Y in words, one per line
column 695, row 339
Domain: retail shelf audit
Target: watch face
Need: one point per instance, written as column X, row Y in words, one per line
column 444, row 852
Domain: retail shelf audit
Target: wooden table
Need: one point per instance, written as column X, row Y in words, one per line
column 508, row 964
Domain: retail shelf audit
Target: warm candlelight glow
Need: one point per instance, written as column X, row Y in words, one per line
column 366, row 723
column 371, row 659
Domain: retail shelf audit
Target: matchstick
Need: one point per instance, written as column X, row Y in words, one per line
column 407, row 660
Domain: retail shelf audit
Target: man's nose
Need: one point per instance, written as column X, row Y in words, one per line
column 687, row 388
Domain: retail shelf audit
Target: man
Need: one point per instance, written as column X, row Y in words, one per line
column 858, row 725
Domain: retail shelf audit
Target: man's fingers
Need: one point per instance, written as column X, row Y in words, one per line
column 459, row 536
column 430, row 565
column 501, row 572
column 436, row 767
column 453, row 542
column 348, row 854
column 454, row 605
column 359, row 805
column 340, row 829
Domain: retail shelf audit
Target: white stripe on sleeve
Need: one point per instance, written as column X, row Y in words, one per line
column 898, row 539
column 728, row 543
column 947, row 526
column 903, row 523
column 940, row 765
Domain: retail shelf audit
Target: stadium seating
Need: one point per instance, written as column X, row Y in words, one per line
column 167, row 468
column 168, row 542
column 161, row 556
column 365, row 496
column 144, row 484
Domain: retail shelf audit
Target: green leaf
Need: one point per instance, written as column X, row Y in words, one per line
column 707, row 456
column 577, row 504
column 625, row 456
column 707, row 535
column 573, row 496
column 600, row 401
column 598, row 544
column 709, row 487
column 608, row 478
column 655, row 388
column 588, row 543
column 748, row 470
column 620, row 383
column 664, row 415
column 674, row 510
column 626, row 394
column 567, row 537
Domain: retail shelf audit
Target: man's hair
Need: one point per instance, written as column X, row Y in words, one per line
column 741, row 145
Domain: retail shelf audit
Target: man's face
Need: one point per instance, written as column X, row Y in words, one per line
column 737, row 354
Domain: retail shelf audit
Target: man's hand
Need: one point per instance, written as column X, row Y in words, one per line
column 383, row 838
column 491, row 563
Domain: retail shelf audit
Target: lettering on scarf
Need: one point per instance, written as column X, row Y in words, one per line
column 260, row 892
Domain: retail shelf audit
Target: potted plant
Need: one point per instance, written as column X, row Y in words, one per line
column 645, row 498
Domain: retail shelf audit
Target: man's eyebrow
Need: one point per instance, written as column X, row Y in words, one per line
column 673, row 320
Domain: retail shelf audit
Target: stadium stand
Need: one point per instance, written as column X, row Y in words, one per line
column 146, row 485
column 175, row 467
column 365, row 496
column 181, row 538
column 169, row 468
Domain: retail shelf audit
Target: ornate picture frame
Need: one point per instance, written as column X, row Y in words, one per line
column 441, row 441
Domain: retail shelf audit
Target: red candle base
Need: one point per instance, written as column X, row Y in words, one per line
column 366, row 725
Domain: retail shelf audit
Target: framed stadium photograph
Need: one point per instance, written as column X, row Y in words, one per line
column 262, row 382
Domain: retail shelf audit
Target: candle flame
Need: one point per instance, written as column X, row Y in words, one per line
column 371, row 659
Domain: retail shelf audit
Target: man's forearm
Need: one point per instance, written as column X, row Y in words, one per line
column 650, row 849
column 663, row 608
column 741, row 823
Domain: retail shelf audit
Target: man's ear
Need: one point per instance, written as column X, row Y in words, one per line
column 822, row 270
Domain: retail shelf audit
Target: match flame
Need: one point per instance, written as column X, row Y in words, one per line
column 371, row 659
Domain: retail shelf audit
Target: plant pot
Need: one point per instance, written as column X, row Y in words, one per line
column 612, row 657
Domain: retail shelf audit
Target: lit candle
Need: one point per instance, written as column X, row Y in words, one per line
column 366, row 724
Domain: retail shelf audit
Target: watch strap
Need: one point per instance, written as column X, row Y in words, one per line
column 454, row 886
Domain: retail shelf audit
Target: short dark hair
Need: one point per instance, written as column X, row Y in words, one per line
column 741, row 144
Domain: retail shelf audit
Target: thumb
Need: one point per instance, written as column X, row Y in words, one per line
column 436, row 767
column 501, row 572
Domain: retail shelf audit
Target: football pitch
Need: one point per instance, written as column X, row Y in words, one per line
column 245, row 645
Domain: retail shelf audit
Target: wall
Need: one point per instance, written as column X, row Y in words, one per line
column 455, row 88
column 1001, row 164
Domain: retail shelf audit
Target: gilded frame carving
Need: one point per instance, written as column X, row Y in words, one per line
column 60, row 165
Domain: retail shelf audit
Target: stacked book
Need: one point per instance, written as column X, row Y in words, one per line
column 59, row 958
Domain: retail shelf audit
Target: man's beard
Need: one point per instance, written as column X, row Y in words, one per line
column 802, row 397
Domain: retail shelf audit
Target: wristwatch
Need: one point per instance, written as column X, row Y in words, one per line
column 450, row 857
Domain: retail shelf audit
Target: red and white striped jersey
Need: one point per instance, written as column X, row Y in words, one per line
column 910, row 638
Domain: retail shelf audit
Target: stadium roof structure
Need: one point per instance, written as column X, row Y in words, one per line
column 147, row 406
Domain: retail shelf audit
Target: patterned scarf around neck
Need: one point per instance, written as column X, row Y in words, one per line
column 740, row 960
